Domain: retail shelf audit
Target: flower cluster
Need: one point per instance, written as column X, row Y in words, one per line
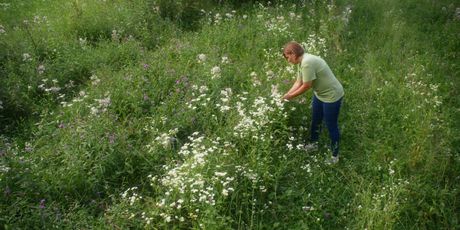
column 225, row 60
column 41, row 69
column 218, row 17
column 422, row 90
column 131, row 195
column 198, row 181
column 201, row 58
column 258, row 115
column 316, row 45
column 83, row 42
column 4, row 169
column 278, row 26
column 199, row 100
column 94, row 80
column 82, row 95
column 390, row 196
column 5, row 6
column 271, row 56
column 215, row 72
column 116, row 35
column 226, row 96
column 50, row 88
column 40, row 19
column 166, row 140
column 290, row 69
column 36, row 20
column 101, row 106
column 188, row 184
column 26, row 57
column 291, row 144
column 346, row 14
column 255, row 79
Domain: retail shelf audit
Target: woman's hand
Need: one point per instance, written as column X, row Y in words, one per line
column 297, row 91
column 286, row 97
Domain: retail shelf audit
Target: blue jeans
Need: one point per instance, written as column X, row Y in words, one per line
column 330, row 113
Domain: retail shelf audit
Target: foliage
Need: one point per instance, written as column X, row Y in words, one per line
column 167, row 114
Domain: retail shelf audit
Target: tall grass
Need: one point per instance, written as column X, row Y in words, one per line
column 116, row 114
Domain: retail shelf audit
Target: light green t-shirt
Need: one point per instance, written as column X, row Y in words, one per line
column 325, row 86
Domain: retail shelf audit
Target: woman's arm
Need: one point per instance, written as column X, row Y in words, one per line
column 295, row 86
column 299, row 90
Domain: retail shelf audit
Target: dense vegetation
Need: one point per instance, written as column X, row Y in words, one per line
column 167, row 114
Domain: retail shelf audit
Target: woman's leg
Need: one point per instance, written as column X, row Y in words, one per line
column 317, row 118
column 331, row 116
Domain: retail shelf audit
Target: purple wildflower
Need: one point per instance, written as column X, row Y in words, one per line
column 184, row 78
column 7, row 191
column 327, row 216
column 42, row 204
column 112, row 138
column 28, row 148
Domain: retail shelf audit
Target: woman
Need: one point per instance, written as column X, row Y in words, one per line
column 327, row 93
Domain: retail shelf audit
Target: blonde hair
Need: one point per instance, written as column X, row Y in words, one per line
column 293, row 48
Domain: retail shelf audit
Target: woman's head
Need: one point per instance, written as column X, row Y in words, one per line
column 292, row 52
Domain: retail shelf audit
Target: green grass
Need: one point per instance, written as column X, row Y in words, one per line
column 109, row 120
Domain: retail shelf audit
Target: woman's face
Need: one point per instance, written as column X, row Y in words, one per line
column 292, row 58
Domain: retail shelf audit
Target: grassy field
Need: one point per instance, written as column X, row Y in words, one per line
column 149, row 114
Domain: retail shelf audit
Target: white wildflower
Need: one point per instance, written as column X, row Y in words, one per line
column 270, row 74
column 203, row 89
column 391, row 171
column 215, row 72
column 290, row 69
column 225, row 60
column 41, row 69
column 26, row 57
column 53, row 89
column 104, row 102
column 115, row 35
column 217, row 18
column 82, row 42
column 220, row 174
column 201, row 58
column 308, row 208
column 94, row 80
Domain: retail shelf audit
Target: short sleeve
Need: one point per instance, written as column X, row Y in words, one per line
column 299, row 74
column 308, row 73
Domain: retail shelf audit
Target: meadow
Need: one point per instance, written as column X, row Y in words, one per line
column 155, row 114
